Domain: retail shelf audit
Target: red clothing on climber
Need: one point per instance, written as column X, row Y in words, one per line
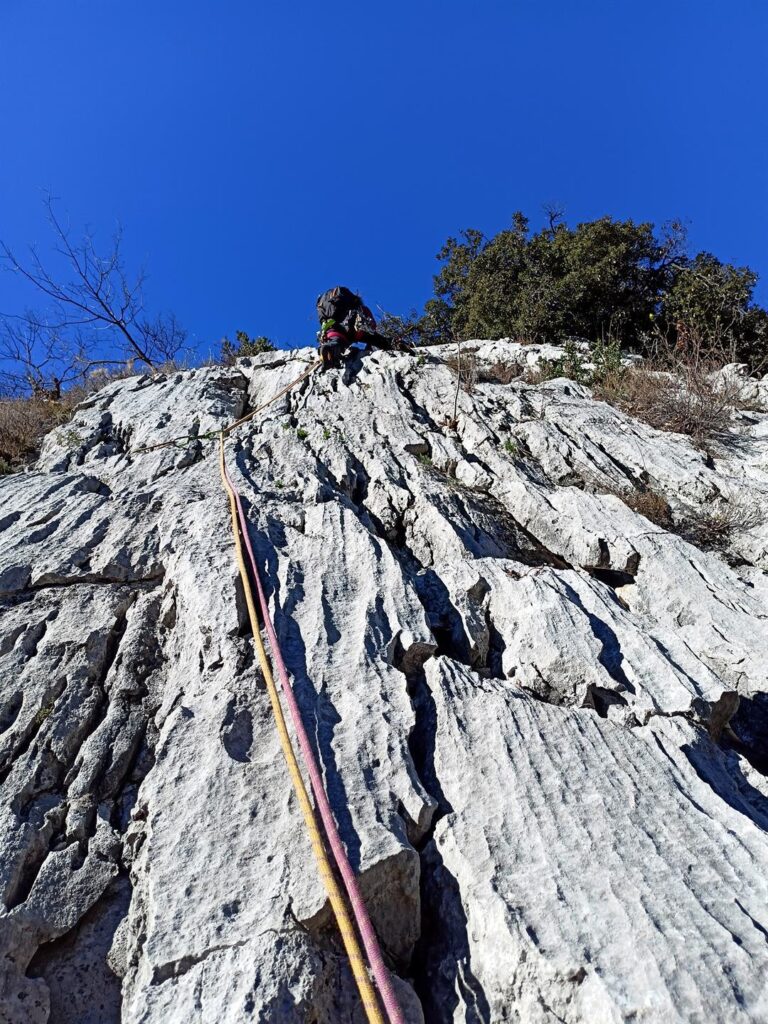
column 344, row 319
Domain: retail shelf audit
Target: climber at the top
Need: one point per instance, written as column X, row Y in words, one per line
column 344, row 319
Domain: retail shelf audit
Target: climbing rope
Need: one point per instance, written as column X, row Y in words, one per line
column 348, row 934
column 346, row 928
column 284, row 391
column 182, row 440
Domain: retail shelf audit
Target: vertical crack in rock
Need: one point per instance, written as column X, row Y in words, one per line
column 88, row 751
column 243, row 618
column 237, row 731
column 610, row 657
column 496, row 648
column 441, row 965
column 20, row 743
column 54, row 782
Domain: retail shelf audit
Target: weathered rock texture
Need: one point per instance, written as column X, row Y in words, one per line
column 542, row 719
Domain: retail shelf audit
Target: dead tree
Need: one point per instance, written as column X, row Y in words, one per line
column 94, row 317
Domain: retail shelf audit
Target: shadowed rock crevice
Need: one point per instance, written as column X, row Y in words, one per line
column 237, row 731
column 441, row 963
column 91, row 749
column 494, row 665
column 723, row 772
column 748, row 734
column 177, row 968
column 84, row 988
column 611, row 656
column 516, row 543
column 86, row 579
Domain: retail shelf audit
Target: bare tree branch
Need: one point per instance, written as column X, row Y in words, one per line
column 96, row 315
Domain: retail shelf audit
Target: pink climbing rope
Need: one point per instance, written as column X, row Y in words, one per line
column 370, row 942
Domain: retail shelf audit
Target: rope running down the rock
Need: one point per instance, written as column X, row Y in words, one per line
column 184, row 439
column 348, row 934
column 362, row 919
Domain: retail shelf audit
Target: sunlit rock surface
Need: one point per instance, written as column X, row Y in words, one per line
column 542, row 719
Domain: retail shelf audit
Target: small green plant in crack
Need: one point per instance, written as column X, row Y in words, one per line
column 571, row 364
column 512, row 447
column 302, row 434
column 425, row 459
column 279, row 485
column 606, row 357
column 326, row 434
column 43, row 713
column 68, row 438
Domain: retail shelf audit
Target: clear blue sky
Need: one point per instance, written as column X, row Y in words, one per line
column 258, row 152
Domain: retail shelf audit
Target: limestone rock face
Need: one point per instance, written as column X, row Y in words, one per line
column 542, row 718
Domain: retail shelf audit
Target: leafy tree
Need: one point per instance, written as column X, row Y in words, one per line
column 452, row 283
column 244, row 345
column 709, row 308
column 490, row 303
column 606, row 280
column 602, row 277
column 436, row 325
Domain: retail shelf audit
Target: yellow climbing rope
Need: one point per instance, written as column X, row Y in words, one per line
column 349, row 936
column 283, row 391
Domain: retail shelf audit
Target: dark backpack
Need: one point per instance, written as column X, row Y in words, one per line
column 336, row 304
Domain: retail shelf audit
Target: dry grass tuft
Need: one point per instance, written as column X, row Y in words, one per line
column 709, row 528
column 680, row 390
column 464, row 365
column 712, row 528
column 24, row 421
column 645, row 502
column 470, row 371
column 652, row 505
column 503, row 371
column 23, row 424
column 674, row 389
column 686, row 400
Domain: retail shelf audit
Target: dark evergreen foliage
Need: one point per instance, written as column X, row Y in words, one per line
column 601, row 280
